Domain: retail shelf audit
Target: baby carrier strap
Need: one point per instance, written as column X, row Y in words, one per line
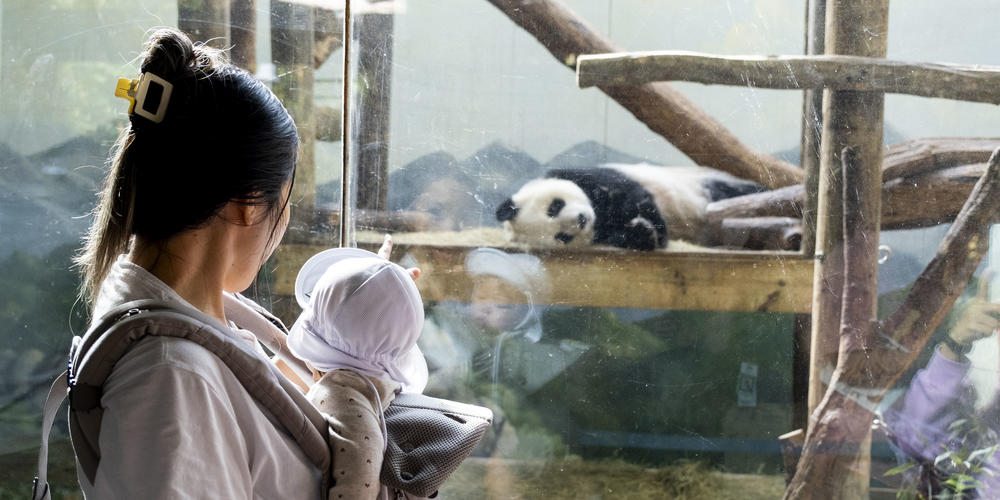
column 93, row 357
column 271, row 332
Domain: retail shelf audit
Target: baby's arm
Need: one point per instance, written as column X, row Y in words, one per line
column 350, row 407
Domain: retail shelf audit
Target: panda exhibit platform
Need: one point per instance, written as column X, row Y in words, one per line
column 685, row 278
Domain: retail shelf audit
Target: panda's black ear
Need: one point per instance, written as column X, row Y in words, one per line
column 506, row 210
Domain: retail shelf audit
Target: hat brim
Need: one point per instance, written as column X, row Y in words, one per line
column 314, row 268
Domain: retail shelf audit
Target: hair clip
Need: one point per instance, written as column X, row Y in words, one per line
column 148, row 96
column 126, row 90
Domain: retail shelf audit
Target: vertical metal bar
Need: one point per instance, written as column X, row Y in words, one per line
column 346, row 131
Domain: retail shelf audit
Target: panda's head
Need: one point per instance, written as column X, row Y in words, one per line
column 548, row 212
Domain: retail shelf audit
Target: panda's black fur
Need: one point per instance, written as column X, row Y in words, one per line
column 617, row 200
column 623, row 198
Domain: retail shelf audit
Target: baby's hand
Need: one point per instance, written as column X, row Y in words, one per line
column 386, row 249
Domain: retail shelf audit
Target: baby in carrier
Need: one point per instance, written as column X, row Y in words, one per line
column 358, row 331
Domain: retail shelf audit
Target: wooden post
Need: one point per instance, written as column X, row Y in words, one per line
column 664, row 110
column 205, row 21
column 291, row 50
column 812, row 127
column 374, row 38
column 850, row 119
column 243, row 32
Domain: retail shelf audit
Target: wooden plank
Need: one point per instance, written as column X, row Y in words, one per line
column 976, row 83
column 725, row 281
column 658, row 105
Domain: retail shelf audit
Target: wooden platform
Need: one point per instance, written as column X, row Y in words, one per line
column 717, row 281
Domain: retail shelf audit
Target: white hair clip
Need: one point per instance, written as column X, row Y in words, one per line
column 148, row 96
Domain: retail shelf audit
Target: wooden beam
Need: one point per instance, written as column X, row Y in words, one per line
column 658, row 105
column 784, row 202
column 925, row 199
column 916, row 156
column 974, row 83
column 928, row 199
column 762, row 233
column 724, row 281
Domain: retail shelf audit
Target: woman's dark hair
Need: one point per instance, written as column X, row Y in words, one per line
column 225, row 137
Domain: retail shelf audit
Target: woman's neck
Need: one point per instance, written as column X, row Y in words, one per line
column 191, row 264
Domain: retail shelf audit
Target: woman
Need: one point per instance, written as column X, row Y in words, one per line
column 938, row 412
column 194, row 203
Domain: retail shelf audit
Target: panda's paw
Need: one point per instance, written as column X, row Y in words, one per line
column 640, row 234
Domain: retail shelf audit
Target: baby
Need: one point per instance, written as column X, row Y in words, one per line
column 358, row 333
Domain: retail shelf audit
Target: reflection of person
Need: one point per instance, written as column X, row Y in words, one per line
column 191, row 207
column 938, row 413
column 505, row 289
column 506, row 299
column 358, row 331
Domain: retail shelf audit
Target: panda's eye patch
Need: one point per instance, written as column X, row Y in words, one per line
column 564, row 237
column 556, row 206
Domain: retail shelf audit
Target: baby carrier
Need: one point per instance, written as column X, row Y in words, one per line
column 430, row 424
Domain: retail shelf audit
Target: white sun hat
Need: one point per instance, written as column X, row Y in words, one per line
column 359, row 312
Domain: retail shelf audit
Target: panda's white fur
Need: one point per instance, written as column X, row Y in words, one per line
column 679, row 193
column 533, row 226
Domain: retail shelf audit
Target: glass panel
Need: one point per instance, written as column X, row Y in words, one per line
column 612, row 370
column 671, row 367
column 58, row 120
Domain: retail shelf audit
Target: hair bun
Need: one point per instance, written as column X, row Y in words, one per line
column 169, row 54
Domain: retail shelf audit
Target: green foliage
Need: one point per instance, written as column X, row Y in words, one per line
column 957, row 472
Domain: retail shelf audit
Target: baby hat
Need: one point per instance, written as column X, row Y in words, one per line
column 360, row 312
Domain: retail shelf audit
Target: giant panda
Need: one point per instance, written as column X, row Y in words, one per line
column 635, row 206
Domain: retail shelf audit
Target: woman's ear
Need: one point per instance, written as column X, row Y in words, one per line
column 244, row 214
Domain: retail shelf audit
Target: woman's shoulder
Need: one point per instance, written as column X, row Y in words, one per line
column 159, row 359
